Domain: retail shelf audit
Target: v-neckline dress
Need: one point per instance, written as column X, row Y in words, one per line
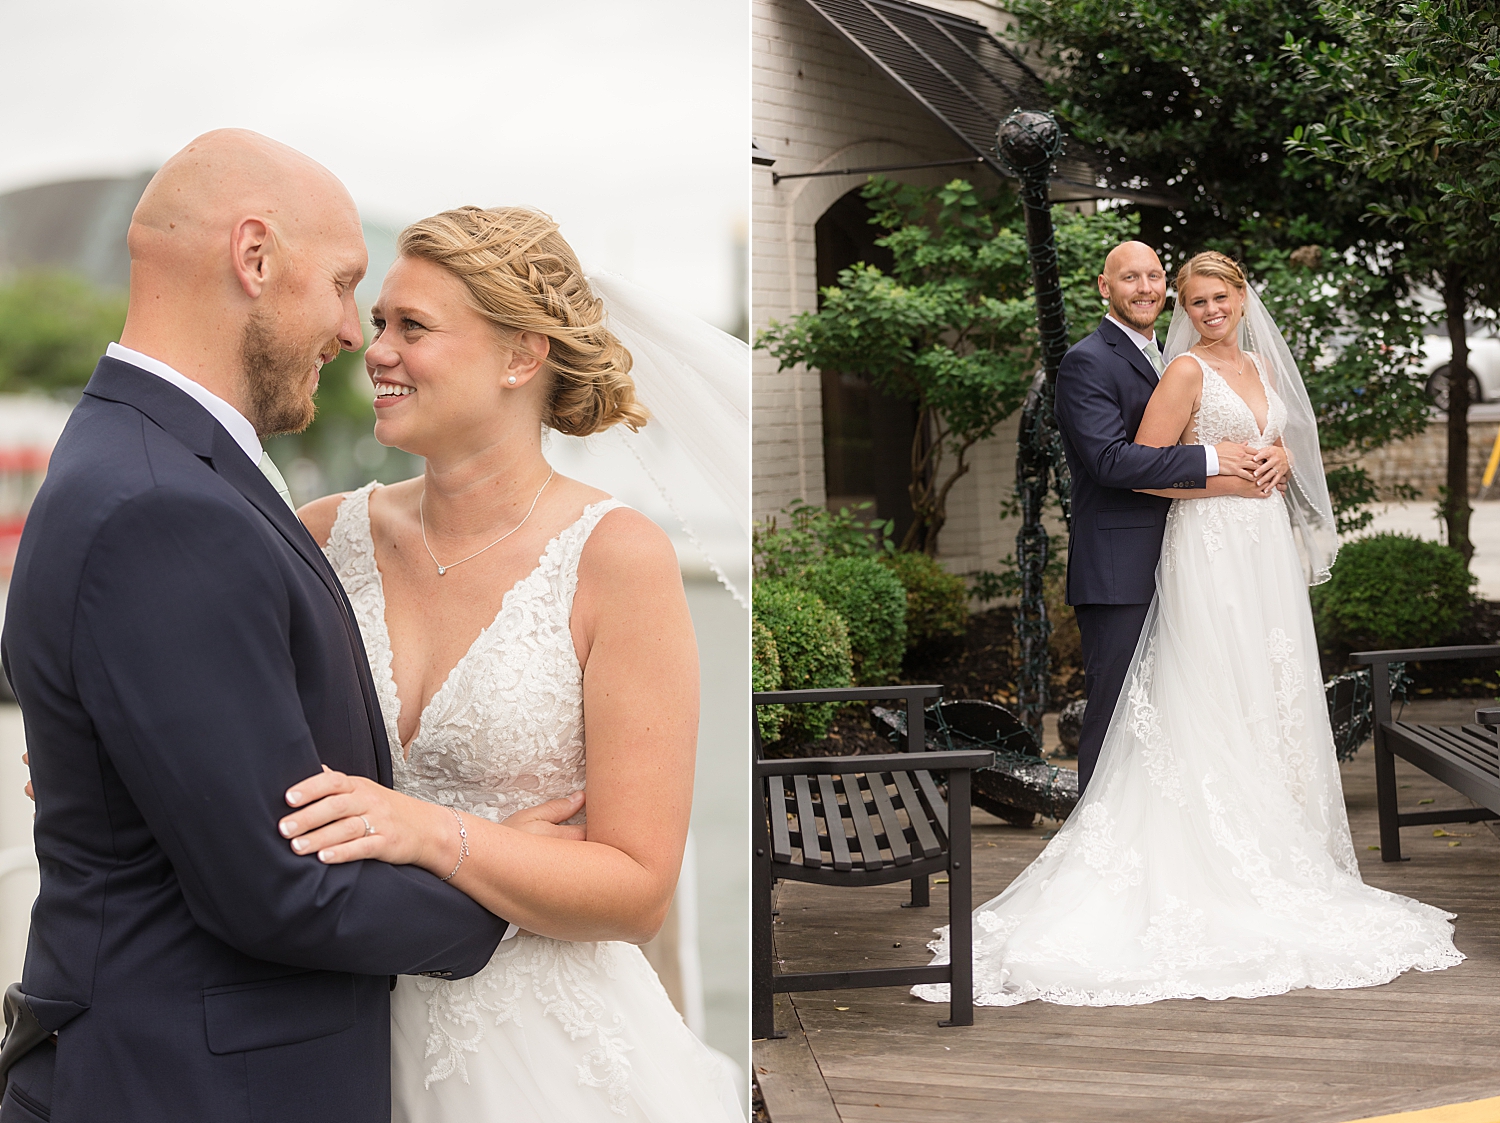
column 550, row 1029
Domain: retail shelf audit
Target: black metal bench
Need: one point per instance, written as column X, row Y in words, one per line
column 1465, row 757
column 863, row 820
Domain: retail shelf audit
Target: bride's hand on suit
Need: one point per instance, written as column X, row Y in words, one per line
column 344, row 818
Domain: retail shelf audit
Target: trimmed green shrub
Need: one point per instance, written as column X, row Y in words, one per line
column 873, row 604
column 937, row 602
column 1393, row 590
column 802, row 534
column 765, row 674
column 812, row 646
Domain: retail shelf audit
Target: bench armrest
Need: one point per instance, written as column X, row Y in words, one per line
column 915, row 698
column 1426, row 654
column 941, row 761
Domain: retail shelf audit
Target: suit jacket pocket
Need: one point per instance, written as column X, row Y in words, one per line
column 1126, row 518
column 280, row 1011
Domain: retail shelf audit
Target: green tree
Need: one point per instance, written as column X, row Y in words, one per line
column 53, row 328
column 952, row 326
column 1195, row 99
column 1414, row 90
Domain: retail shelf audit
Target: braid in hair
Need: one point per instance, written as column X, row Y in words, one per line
column 521, row 275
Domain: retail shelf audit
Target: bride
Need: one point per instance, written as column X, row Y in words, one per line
column 1210, row 855
column 523, row 629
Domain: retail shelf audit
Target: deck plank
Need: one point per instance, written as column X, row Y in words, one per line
column 883, row 1058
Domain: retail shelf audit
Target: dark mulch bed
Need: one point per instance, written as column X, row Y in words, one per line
column 1463, row 679
column 978, row 664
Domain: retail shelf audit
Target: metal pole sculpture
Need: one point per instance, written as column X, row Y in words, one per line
column 1028, row 144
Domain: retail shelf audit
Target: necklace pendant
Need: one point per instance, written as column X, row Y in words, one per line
column 442, row 569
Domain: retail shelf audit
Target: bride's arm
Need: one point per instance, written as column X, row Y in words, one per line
column 640, row 696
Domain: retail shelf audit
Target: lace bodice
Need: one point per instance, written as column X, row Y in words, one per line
column 505, row 730
column 1225, row 416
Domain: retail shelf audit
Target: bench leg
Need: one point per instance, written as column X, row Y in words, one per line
column 1385, row 800
column 762, row 932
column 921, row 898
column 960, row 904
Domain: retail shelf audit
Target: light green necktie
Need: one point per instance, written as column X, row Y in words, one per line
column 1153, row 355
column 271, row 472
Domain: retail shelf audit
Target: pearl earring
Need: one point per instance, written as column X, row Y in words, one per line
column 511, row 381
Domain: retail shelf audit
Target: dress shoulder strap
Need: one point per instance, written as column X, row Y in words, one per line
column 351, row 548
column 567, row 547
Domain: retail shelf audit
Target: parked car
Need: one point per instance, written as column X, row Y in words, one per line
column 1484, row 368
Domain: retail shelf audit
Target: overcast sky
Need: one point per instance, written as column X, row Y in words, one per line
column 627, row 120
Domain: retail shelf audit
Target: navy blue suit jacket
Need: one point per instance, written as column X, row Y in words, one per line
column 183, row 654
column 1103, row 385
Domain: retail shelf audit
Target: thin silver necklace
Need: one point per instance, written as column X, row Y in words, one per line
column 441, row 568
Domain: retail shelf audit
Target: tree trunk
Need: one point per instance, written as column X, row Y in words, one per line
column 927, row 511
column 1456, row 509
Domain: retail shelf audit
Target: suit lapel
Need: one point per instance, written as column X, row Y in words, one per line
column 233, row 465
column 196, row 428
column 1126, row 348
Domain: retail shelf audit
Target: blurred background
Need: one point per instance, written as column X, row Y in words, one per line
column 625, row 122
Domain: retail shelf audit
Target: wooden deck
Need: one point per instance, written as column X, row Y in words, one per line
column 867, row 1055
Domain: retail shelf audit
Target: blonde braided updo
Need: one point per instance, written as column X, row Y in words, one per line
column 1211, row 263
column 521, row 275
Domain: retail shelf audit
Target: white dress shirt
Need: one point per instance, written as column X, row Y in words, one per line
column 225, row 414
column 1210, row 454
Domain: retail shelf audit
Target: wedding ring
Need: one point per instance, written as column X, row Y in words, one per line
column 369, row 830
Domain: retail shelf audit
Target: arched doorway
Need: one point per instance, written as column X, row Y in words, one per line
column 867, row 435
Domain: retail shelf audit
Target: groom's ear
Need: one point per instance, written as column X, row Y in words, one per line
column 252, row 246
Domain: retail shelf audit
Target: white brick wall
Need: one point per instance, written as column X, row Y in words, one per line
column 818, row 104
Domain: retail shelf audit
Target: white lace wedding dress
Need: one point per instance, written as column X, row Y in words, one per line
column 1210, row 856
column 549, row 1031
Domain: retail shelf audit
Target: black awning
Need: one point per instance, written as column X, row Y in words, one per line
column 966, row 78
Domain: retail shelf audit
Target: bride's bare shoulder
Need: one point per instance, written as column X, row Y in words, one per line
column 625, row 544
column 1184, row 368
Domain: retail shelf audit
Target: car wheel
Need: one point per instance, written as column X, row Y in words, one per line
column 1437, row 387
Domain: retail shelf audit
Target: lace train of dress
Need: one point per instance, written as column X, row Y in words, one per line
column 549, row 1030
column 1210, row 856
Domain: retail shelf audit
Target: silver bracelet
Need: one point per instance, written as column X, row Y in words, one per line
column 463, row 843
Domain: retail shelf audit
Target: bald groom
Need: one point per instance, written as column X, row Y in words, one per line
column 183, row 654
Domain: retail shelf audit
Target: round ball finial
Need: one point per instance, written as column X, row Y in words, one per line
column 1027, row 142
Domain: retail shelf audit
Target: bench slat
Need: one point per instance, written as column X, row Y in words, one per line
column 807, row 820
column 936, row 806
column 781, row 841
column 895, row 837
column 833, row 815
column 926, row 840
column 869, row 849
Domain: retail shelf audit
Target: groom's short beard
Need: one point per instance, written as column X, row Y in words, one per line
column 276, row 375
column 1126, row 315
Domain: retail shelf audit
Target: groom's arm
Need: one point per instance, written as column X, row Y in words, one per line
column 183, row 660
column 1088, row 411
